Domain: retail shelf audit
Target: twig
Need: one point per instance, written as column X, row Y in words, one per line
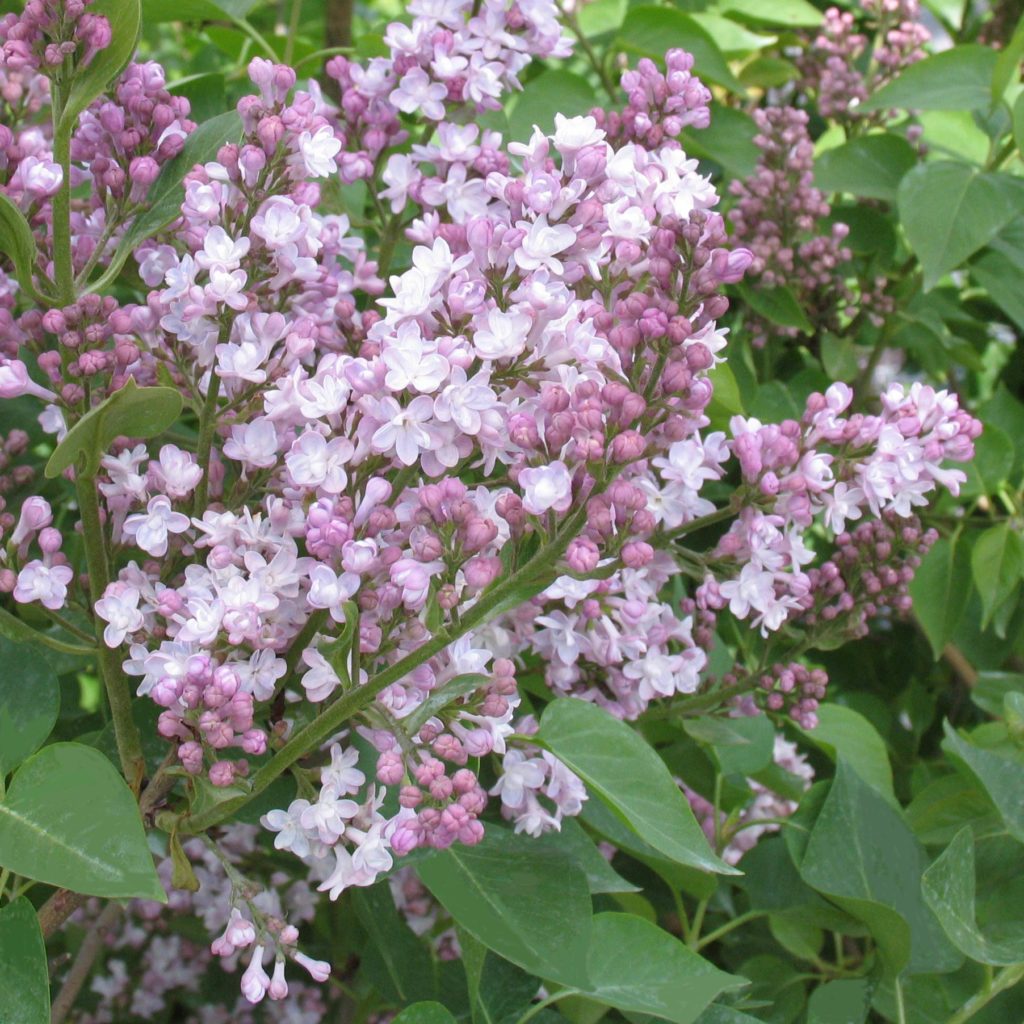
column 87, row 953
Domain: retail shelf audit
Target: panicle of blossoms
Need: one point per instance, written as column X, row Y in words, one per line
column 659, row 105
column 777, row 215
column 48, row 35
column 151, row 968
column 856, row 52
column 837, row 468
column 738, row 831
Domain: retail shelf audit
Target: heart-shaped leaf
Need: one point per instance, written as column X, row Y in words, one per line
column 132, row 412
column 68, row 819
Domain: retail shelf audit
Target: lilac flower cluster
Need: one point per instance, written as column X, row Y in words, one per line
column 856, row 52
column 777, row 214
column 402, row 494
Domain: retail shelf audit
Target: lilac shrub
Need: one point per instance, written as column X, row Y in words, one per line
column 422, row 462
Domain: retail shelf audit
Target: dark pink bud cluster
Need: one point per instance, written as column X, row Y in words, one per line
column 49, row 32
column 207, row 713
column 777, row 217
column 659, row 104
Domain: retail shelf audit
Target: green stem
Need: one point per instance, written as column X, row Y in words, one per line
column 62, row 264
column 698, row 921
column 545, row 1003
column 207, row 426
column 129, row 743
column 736, row 922
column 314, row 734
column 1006, row 978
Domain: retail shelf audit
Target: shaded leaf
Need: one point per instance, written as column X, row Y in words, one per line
column 18, row 243
column 29, row 702
column 940, row 589
column 626, row 773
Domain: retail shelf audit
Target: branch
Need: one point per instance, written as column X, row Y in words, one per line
column 86, row 957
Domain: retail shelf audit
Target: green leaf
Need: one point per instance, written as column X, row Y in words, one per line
column 942, row 808
column 1008, row 63
column 996, row 562
column 68, row 819
column 425, row 1013
column 956, row 79
column 992, row 688
column 572, row 841
column 25, row 978
column 18, row 243
column 132, row 411
column 396, row 961
column 1001, row 777
column 871, row 166
column 844, row 733
column 498, row 990
column 439, row 699
column 778, row 304
column 650, row 31
column 741, row 746
column 786, row 13
column 950, row 210
column 1000, row 277
column 657, row 975
column 553, row 91
column 601, row 16
column 164, row 199
column 155, row 11
column 948, row 887
column 29, row 703
column 940, row 590
column 530, row 905
column 626, row 773
column 1018, row 123
column 992, row 463
column 862, row 855
column 731, row 37
column 840, row 1002
column 728, row 141
column 125, row 21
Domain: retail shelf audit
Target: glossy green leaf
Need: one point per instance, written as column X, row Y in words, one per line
column 956, row 79
column 530, row 905
column 785, row 13
column 844, row 733
column 24, row 979
column 625, row 772
column 125, row 18
column 940, row 590
column 164, row 199
column 18, row 243
column 554, row 91
column 778, row 304
column 871, row 166
column 651, row 30
column 68, row 819
column 659, row 976
column 997, row 561
column 1001, row 777
column 863, row 857
column 29, row 702
column 949, row 887
column 132, row 411
column 949, row 210
column 425, row 1013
